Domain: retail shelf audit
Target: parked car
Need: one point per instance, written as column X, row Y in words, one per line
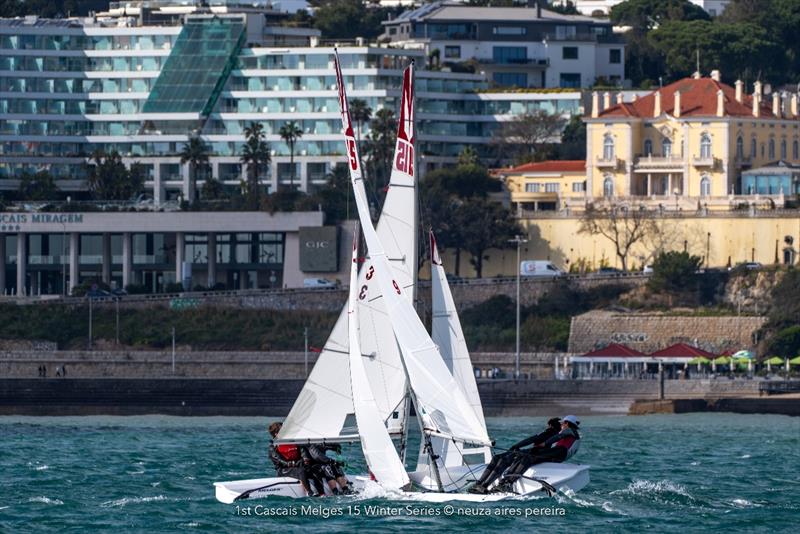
column 97, row 293
column 318, row 283
column 606, row 271
column 539, row 268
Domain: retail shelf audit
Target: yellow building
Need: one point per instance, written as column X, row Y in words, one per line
column 685, row 145
column 544, row 185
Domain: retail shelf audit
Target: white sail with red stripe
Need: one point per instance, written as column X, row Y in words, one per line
column 324, row 408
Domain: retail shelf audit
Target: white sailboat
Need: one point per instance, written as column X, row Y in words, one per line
column 435, row 373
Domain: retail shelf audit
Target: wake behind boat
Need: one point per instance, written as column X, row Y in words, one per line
column 380, row 360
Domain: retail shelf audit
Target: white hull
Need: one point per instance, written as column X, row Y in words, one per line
column 563, row 477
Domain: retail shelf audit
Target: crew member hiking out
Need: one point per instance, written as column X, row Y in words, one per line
column 556, row 449
column 501, row 462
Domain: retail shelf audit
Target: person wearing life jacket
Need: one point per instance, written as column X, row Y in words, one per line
column 555, row 449
column 501, row 462
column 287, row 458
column 321, row 466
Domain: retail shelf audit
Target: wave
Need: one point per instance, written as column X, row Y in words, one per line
column 649, row 488
column 744, row 456
column 744, row 503
column 132, row 500
column 45, row 500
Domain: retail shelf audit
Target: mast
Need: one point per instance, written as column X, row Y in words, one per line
column 412, row 139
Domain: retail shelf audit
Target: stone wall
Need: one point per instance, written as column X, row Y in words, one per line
column 648, row 332
column 207, row 364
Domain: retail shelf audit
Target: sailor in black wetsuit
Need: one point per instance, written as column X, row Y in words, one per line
column 322, row 467
column 501, row 462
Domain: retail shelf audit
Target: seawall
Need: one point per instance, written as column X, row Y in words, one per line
column 249, row 397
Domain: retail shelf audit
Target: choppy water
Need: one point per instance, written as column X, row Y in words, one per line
column 154, row 474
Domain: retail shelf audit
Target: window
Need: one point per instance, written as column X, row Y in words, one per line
column 783, row 148
column 551, row 188
column 615, row 56
column 608, row 187
column 510, row 79
column 568, row 79
column 452, row 52
column 532, row 188
column 566, row 32
column 451, row 31
column 795, row 149
column 648, row 147
column 509, row 30
column 705, row 186
column 666, row 148
column 392, row 31
column 608, row 147
column 578, row 187
column 753, row 150
column 705, row 146
column 739, row 148
column 569, row 52
column 510, row 54
column 772, row 149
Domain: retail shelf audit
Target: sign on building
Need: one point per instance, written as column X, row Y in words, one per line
column 319, row 249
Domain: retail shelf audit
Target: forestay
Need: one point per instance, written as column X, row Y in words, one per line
column 382, row 458
column 442, row 406
column 324, row 408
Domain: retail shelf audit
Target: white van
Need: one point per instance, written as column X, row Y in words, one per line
column 318, row 282
column 539, row 268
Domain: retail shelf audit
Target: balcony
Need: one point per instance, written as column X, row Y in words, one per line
column 742, row 161
column 658, row 163
column 606, row 163
column 530, row 62
column 704, row 161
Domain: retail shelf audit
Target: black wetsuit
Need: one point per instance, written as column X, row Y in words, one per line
column 550, row 452
column 501, row 462
column 320, row 467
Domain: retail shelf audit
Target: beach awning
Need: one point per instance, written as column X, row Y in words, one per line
column 775, row 360
column 699, row 360
column 795, row 360
column 722, row 360
column 743, row 355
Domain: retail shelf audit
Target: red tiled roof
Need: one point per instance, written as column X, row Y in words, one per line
column 698, row 98
column 615, row 350
column 577, row 165
column 682, row 350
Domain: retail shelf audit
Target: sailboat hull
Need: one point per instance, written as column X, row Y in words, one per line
column 564, row 477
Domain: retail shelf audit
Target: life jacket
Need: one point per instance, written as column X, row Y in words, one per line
column 290, row 453
column 567, row 441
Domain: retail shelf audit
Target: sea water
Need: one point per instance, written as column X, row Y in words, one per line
column 667, row 473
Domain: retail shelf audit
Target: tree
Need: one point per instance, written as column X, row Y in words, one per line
column 482, row 225
column 361, row 113
column 565, row 8
column 196, row 153
column 623, row 226
column 644, row 15
column 291, row 132
column 468, row 156
column 255, row 153
column 380, row 145
column 785, row 343
column 109, row 179
column 37, row 186
column 334, row 197
column 348, row 19
column 573, row 139
column 521, row 138
column 741, row 50
column 674, row 271
column 213, row 189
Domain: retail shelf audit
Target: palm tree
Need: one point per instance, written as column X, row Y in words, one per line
column 361, row 113
column 254, row 154
column 291, row 132
column 382, row 137
column 196, row 153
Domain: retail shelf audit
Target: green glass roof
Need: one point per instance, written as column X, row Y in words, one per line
column 198, row 66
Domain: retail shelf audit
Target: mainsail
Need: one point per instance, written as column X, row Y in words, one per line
column 324, row 408
column 446, row 332
column 382, row 458
column 440, row 403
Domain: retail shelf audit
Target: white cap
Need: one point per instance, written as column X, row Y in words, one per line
column 571, row 419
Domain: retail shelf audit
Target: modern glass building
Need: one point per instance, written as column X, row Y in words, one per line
column 146, row 76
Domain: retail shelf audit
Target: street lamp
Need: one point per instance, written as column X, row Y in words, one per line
column 518, row 240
